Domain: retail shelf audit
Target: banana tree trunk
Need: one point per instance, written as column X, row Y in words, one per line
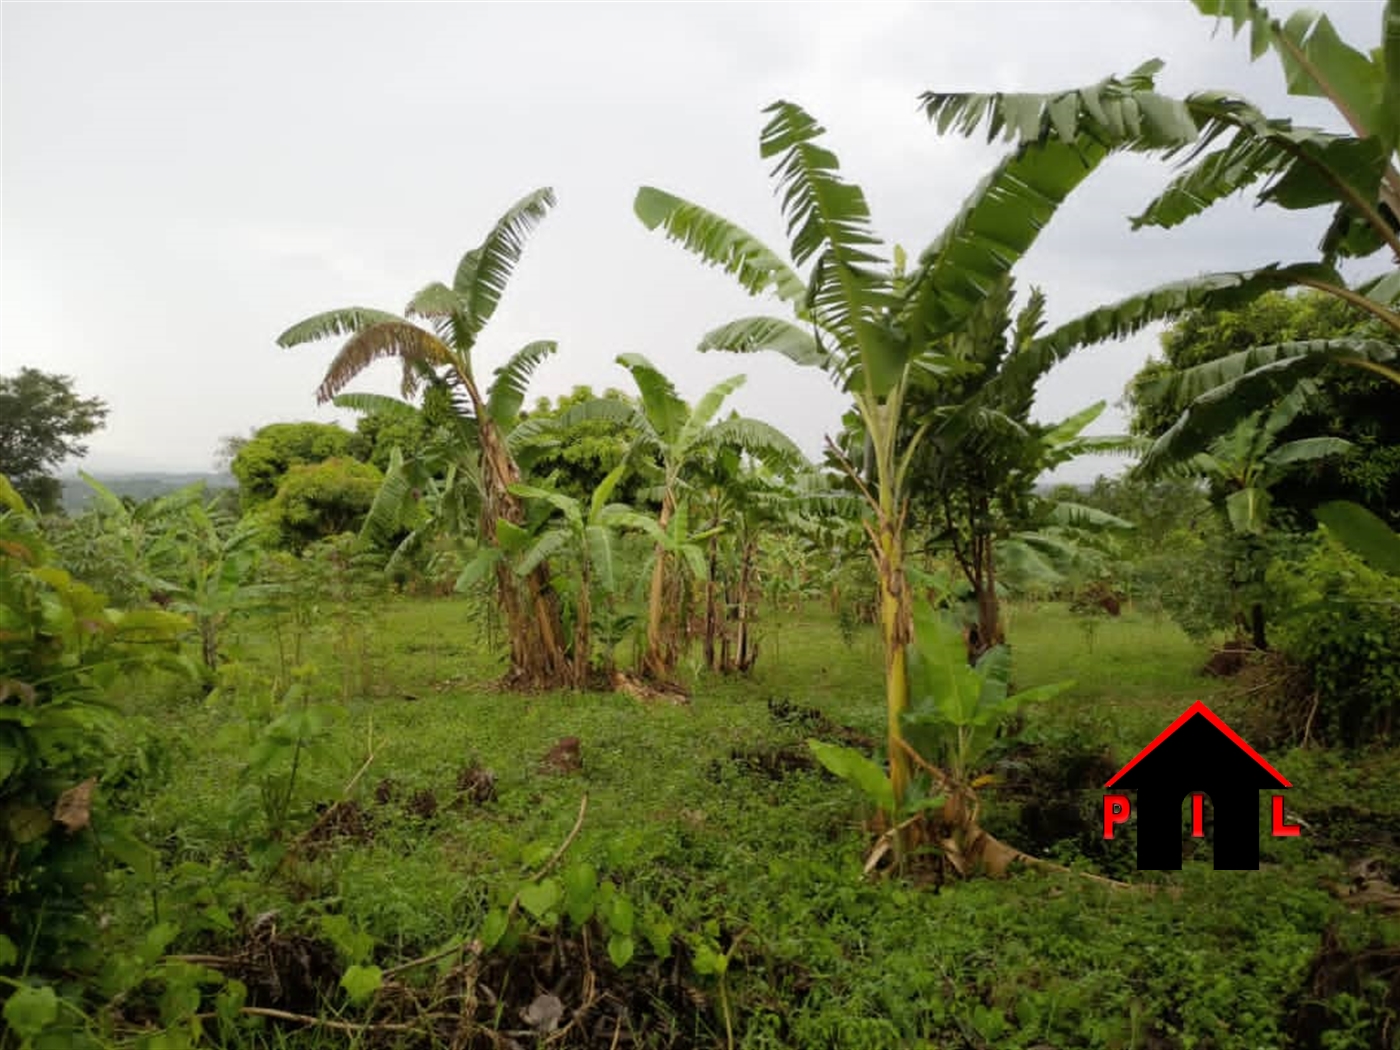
column 538, row 656
column 896, row 631
column 712, row 625
column 583, row 628
column 659, row 661
column 989, row 629
column 748, row 653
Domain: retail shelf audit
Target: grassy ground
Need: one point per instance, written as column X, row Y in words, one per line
column 707, row 815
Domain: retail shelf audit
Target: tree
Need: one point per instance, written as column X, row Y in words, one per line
column 316, row 501
column 42, row 423
column 1349, row 403
column 262, row 461
column 675, row 435
column 442, row 357
column 874, row 326
column 578, row 457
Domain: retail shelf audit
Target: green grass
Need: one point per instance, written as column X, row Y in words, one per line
column 828, row 959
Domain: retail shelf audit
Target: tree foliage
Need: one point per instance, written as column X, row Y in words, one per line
column 318, row 500
column 42, row 422
column 1348, row 403
column 263, row 461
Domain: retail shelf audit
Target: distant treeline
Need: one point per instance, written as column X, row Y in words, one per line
column 77, row 495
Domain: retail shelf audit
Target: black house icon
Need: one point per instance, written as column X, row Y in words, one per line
column 1198, row 753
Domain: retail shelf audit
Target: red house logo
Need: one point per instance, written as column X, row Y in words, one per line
column 1197, row 755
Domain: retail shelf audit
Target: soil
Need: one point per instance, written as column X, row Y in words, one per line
column 564, row 757
column 345, row 820
column 812, row 722
column 1055, row 794
column 555, row 991
column 476, row 785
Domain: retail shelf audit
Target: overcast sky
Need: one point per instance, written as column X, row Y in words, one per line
column 182, row 182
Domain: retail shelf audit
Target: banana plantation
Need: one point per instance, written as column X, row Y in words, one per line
column 506, row 706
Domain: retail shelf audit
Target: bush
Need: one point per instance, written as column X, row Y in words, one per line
column 61, row 650
column 1342, row 623
column 1188, row 578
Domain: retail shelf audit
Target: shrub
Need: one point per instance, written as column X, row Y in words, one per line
column 1342, row 623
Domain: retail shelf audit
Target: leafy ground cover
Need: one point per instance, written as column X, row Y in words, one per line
column 711, row 892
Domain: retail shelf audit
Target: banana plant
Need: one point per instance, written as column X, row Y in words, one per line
column 587, row 533
column 872, row 326
column 442, row 356
column 676, row 435
column 1352, row 174
column 955, row 713
column 1242, row 466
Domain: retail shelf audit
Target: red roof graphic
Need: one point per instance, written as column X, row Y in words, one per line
column 1198, row 708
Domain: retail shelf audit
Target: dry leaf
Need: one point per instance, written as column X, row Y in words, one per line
column 74, row 809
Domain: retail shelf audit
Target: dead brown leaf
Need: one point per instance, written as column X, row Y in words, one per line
column 74, row 809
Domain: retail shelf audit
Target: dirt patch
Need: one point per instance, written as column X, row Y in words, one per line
column 476, row 785
column 774, row 763
column 386, row 791
column 551, row 991
column 1369, row 977
column 286, row 971
column 564, row 757
column 812, row 722
column 423, row 804
column 1052, row 797
column 341, row 821
column 1229, row 660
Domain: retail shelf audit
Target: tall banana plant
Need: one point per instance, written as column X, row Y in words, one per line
column 1352, row 174
column 873, row 327
column 585, row 531
column 676, row 435
column 441, row 353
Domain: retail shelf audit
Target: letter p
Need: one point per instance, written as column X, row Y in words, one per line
column 1116, row 810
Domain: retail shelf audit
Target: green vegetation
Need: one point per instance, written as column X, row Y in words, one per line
column 455, row 732
column 42, row 423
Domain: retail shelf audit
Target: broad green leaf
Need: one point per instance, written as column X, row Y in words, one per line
column 27, row 822
column 493, row 928
column 1363, row 533
column 507, row 392
column 620, row 949
column 1306, row 450
column 484, row 272
column 664, row 409
column 512, row 538
column 621, row 916
column 707, row 962
column 541, row 898
column 719, row 242
column 361, row 982
column 9, row 498
column 752, row 334
column 478, row 568
column 1248, row 509
column 580, row 891
column 850, row 765
column 30, row 1010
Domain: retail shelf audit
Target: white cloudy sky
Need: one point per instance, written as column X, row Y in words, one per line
column 181, row 182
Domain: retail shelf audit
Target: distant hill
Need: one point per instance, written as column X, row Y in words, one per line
column 139, row 486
